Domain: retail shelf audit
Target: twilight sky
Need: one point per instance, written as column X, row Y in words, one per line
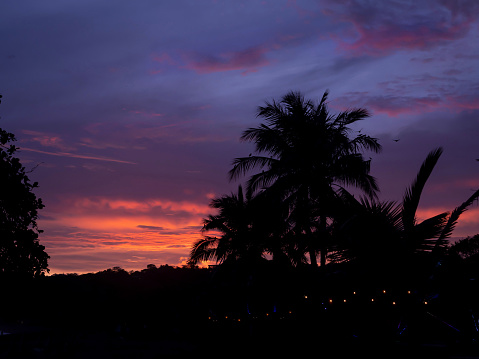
column 133, row 109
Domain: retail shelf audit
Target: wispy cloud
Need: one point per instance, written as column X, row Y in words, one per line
column 246, row 61
column 150, row 228
column 74, row 155
column 47, row 140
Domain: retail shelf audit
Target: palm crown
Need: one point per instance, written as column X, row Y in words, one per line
column 306, row 155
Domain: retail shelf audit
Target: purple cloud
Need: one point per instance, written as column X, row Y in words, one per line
column 377, row 28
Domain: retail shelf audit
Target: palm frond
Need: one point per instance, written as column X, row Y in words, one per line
column 272, row 112
column 413, row 194
column 350, row 116
column 454, row 217
column 203, row 250
column 243, row 165
column 365, row 142
column 261, row 180
column 428, row 229
column 352, row 169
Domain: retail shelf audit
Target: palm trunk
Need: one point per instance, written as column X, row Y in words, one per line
column 322, row 262
column 322, row 231
column 312, row 256
column 312, row 251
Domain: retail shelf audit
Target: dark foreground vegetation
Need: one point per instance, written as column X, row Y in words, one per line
column 170, row 312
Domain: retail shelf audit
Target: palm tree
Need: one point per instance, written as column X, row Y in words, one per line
column 306, row 155
column 244, row 230
column 379, row 234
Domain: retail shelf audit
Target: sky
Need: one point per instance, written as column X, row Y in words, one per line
column 130, row 112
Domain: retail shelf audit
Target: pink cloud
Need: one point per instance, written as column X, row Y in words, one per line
column 468, row 219
column 385, row 38
column 247, row 61
column 164, row 60
column 47, row 140
column 392, row 105
column 379, row 28
column 147, row 114
column 460, row 103
column 396, row 105
column 101, row 204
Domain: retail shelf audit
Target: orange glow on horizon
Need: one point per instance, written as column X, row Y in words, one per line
column 471, row 215
column 81, row 229
column 89, row 234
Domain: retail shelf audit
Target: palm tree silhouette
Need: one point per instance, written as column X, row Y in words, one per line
column 383, row 235
column 306, row 156
column 244, row 230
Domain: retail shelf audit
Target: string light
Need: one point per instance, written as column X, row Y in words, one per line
column 346, row 299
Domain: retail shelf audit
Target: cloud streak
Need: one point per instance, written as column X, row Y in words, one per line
column 73, row 155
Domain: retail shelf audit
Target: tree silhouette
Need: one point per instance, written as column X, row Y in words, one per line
column 386, row 235
column 20, row 250
column 466, row 248
column 306, row 156
column 239, row 234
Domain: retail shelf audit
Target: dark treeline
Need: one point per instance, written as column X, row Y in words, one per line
column 156, row 296
column 109, row 314
column 143, row 311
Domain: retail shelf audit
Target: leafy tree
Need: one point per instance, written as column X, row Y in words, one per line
column 20, row 250
column 306, row 156
column 466, row 248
